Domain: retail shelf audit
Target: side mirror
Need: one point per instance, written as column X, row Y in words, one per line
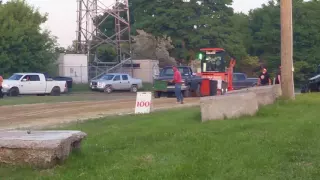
column 23, row 80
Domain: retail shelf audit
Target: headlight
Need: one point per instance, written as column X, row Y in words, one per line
column 100, row 84
column 5, row 86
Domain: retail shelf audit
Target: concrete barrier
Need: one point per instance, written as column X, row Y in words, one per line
column 40, row 149
column 228, row 106
column 265, row 94
column 238, row 103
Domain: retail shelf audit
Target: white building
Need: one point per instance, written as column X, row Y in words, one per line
column 74, row 66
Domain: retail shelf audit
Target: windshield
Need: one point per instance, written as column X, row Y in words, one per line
column 107, row 77
column 15, row 77
column 169, row 71
column 213, row 62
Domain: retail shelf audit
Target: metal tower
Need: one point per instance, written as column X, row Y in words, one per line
column 90, row 34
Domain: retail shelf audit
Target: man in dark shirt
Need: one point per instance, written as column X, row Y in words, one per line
column 1, row 81
column 264, row 78
column 278, row 78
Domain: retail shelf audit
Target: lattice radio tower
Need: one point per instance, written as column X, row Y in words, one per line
column 90, row 34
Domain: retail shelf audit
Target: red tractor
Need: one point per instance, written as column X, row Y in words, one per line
column 213, row 66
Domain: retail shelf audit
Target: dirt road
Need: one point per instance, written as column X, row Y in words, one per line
column 46, row 115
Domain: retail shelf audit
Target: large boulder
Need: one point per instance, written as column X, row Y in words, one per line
column 41, row 149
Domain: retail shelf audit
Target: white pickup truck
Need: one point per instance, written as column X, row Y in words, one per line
column 32, row 83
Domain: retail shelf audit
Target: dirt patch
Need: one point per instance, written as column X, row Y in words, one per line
column 39, row 115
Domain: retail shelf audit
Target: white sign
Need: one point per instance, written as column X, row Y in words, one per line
column 210, row 52
column 143, row 102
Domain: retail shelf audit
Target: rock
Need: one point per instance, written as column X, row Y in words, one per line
column 40, row 149
column 228, row 106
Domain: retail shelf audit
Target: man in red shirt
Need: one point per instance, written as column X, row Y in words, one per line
column 177, row 79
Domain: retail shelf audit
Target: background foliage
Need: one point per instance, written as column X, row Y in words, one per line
column 173, row 31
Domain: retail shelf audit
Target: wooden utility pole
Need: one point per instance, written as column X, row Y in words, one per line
column 287, row 84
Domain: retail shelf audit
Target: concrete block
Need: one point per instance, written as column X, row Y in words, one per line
column 228, row 106
column 277, row 90
column 265, row 94
column 40, row 149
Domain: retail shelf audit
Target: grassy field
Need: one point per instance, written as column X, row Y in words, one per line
column 281, row 142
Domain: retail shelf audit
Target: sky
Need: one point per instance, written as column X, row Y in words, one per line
column 63, row 15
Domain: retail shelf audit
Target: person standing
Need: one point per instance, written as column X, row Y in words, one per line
column 177, row 80
column 278, row 78
column 264, row 78
column 1, row 81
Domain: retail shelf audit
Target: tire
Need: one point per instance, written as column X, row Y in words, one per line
column 56, row 91
column 224, row 91
column 157, row 94
column 186, row 93
column 198, row 91
column 108, row 89
column 134, row 88
column 14, row 92
column 224, row 88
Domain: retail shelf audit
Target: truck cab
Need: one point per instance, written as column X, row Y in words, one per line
column 213, row 66
column 240, row 81
column 164, row 85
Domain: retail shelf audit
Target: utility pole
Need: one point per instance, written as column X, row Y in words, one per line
column 287, row 84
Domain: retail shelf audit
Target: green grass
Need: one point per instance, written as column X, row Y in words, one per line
column 147, row 87
column 76, row 88
column 78, row 93
column 80, row 88
column 85, row 87
column 40, row 99
column 280, row 143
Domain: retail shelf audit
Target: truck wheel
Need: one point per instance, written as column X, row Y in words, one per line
column 55, row 91
column 198, row 91
column 157, row 94
column 223, row 91
column 134, row 88
column 108, row 89
column 14, row 92
column 186, row 93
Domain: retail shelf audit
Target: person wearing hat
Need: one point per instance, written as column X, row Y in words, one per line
column 264, row 78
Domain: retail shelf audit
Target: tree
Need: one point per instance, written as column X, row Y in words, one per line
column 23, row 47
column 191, row 25
column 264, row 24
column 147, row 46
